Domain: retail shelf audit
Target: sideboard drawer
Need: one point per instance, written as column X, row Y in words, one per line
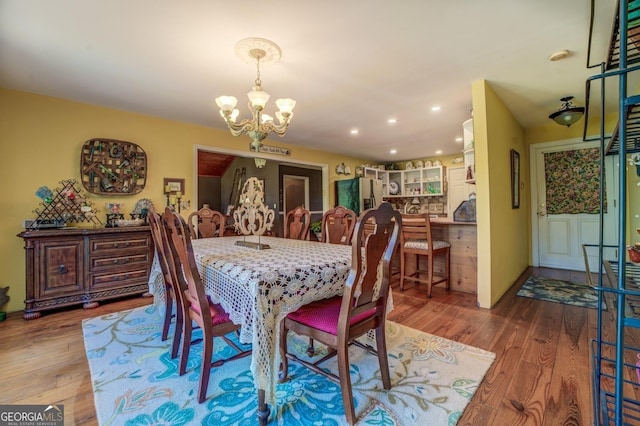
column 105, row 263
column 116, row 279
column 109, row 246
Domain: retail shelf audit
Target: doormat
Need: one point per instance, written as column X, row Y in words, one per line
column 559, row 291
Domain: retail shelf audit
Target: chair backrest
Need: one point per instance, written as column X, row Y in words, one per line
column 180, row 244
column 367, row 285
column 337, row 225
column 416, row 227
column 206, row 223
column 163, row 252
column 296, row 223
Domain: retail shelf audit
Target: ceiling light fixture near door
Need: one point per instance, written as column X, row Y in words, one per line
column 568, row 114
column 260, row 125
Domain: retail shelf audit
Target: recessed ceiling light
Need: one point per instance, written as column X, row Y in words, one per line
column 435, row 108
column 458, row 139
column 354, row 131
column 392, row 121
column 393, row 151
column 439, row 151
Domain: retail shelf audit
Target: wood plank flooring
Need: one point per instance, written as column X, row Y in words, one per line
column 540, row 376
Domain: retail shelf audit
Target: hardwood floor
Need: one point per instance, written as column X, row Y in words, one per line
column 541, row 375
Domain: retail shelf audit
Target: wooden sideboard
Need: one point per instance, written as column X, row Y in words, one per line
column 67, row 267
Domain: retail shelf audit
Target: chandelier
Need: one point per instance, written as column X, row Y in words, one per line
column 260, row 124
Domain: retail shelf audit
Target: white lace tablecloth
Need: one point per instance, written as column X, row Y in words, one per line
column 258, row 288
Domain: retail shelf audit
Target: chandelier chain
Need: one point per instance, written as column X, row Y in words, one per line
column 258, row 81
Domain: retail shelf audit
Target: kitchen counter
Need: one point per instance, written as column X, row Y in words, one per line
column 463, row 238
column 447, row 221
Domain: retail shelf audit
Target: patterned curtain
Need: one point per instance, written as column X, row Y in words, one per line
column 573, row 181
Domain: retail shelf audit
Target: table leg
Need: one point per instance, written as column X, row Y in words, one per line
column 263, row 408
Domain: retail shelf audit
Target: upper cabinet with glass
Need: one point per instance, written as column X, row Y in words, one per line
column 425, row 181
column 469, row 151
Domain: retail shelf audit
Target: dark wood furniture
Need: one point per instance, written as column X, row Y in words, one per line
column 337, row 225
column 339, row 320
column 206, row 223
column 212, row 319
column 416, row 239
column 296, row 223
column 66, row 267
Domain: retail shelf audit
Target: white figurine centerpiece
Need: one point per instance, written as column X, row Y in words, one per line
column 252, row 217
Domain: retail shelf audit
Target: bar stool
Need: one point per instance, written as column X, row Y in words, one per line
column 416, row 239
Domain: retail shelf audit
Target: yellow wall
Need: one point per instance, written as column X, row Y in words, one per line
column 502, row 243
column 40, row 145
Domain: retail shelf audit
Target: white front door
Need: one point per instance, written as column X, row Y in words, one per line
column 558, row 238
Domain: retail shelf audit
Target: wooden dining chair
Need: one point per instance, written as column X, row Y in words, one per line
column 338, row 321
column 206, row 223
column 171, row 289
column 337, row 225
column 296, row 224
column 212, row 319
column 417, row 239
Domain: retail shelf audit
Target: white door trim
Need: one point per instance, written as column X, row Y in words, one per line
column 534, row 150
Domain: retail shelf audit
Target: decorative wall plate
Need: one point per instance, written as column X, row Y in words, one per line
column 394, row 188
column 409, row 166
column 113, row 167
column 419, row 164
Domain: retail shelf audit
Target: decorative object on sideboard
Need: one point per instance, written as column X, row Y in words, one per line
column 173, row 191
column 113, row 214
column 568, row 113
column 63, row 205
column 257, row 50
column 112, row 167
column 142, row 208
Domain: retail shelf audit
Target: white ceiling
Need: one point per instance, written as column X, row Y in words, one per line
column 349, row 64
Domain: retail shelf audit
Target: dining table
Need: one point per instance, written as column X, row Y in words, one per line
column 259, row 287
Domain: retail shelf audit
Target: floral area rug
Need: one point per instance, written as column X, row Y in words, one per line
column 566, row 292
column 135, row 381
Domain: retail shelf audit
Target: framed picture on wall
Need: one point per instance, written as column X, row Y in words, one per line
column 515, row 179
column 173, row 185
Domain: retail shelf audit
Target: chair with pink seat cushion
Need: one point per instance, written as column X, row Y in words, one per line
column 338, row 321
column 211, row 318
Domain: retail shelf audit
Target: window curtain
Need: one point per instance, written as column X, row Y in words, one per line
column 573, row 181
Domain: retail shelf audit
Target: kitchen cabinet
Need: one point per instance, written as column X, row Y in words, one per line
column 426, row 181
column 66, row 267
column 469, row 151
column 379, row 174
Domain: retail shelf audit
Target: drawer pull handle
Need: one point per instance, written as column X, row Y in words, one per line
column 62, row 269
column 123, row 277
column 118, row 245
column 120, row 261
